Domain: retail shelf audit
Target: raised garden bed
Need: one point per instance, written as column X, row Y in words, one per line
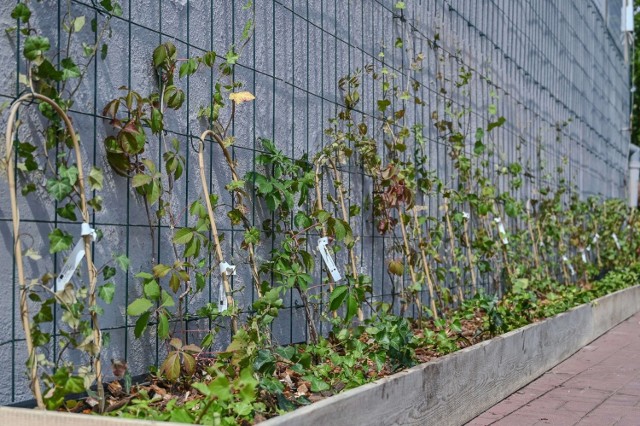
column 447, row 391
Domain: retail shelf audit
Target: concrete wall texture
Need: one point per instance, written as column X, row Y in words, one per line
column 555, row 69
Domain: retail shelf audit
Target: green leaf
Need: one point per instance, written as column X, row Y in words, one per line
column 69, row 69
column 232, row 57
column 499, row 122
column 141, row 324
column 78, row 23
column 156, row 122
column 68, row 211
column 152, row 290
column 265, row 362
column 163, row 326
column 301, row 220
column 338, row 295
column 139, row 306
column 202, row 388
column 108, row 272
column 103, row 51
column 96, row 178
column 183, row 235
column 106, row 292
column 167, row 300
column 58, row 189
column 171, row 366
column 161, row 270
column 209, row 58
column 22, row 12
column 59, row 241
column 221, row 388
column 122, row 261
column 188, row 67
column 400, row 5
column 140, row 179
column 317, row 385
column 252, row 235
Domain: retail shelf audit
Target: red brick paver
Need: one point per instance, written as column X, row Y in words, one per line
column 599, row 385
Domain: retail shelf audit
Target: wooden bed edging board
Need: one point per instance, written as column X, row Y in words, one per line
column 456, row 388
column 447, row 391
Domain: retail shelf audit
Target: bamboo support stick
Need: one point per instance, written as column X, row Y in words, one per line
column 88, row 239
column 214, row 228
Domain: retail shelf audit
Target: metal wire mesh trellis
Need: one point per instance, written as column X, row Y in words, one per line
column 555, row 70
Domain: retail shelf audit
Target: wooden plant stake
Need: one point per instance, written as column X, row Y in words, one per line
column 425, row 266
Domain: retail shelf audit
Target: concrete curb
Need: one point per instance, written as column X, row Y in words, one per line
column 448, row 391
column 456, row 388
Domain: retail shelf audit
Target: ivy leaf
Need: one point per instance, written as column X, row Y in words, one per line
column 139, row 306
column 67, row 212
column 232, row 57
column 96, row 179
column 122, row 261
column 22, row 12
column 317, row 385
column 252, row 235
column 108, row 272
column 69, row 69
column 58, row 189
column 59, row 241
column 106, row 292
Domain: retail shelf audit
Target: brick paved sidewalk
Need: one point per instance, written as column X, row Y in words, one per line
column 599, row 385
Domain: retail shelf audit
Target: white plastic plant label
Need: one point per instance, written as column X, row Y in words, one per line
column 583, row 255
column 222, row 299
column 227, row 269
column 615, row 239
column 465, row 215
column 595, row 238
column 328, row 260
column 501, row 231
column 569, row 265
column 74, row 258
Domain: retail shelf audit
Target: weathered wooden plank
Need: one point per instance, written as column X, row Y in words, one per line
column 454, row 389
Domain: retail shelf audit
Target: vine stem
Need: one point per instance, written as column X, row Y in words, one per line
column 91, row 270
column 214, row 228
column 234, row 176
column 447, row 216
column 425, row 265
column 337, row 181
column 407, row 253
column 323, row 231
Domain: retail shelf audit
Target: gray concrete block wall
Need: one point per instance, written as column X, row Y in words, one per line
column 547, row 62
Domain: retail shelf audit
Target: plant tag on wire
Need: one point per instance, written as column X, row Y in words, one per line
column 328, row 260
column 222, row 299
column 569, row 265
column 596, row 237
column 615, row 239
column 583, row 255
column 228, row 270
column 74, row 258
column 501, row 231
column 465, row 215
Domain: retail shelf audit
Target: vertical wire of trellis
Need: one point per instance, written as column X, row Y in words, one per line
column 546, row 62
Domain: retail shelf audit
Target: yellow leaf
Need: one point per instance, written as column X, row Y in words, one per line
column 240, row 97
